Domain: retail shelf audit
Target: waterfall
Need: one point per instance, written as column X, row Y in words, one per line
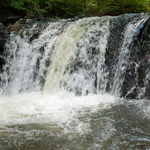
column 20, row 65
column 70, row 55
column 22, row 72
column 79, row 57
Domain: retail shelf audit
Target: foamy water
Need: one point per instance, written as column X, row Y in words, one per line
column 65, row 121
column 61, row 108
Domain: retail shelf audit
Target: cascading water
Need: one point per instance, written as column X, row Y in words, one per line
column 82, row 48
column 131, row 30
column 61, row 83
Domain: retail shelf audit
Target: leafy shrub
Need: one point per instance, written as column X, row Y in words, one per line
column 71, row 8
column 115, row 7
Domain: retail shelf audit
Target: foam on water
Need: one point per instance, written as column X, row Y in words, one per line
column 62, row 109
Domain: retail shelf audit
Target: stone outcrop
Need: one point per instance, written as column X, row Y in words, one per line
column 17, row 26
column 137, row 79
column 2, row 42
column 136, row 84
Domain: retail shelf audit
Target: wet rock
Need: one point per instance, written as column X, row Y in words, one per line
column 115, row 40
column 7, row 21
column 30, row 16
column 137, row 79
column 2, row 42
column 17, row 26
column 2, row 35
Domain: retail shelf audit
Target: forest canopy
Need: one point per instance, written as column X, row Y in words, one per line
column 71, row 8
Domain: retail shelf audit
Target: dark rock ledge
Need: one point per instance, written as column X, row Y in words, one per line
column 2, row 42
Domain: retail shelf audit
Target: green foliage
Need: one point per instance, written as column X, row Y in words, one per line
column 71, row 8
column 115, row 7
column 63, row 8
column 29, row 6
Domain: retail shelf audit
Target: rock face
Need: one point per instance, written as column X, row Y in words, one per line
column 136, row 84
column 115, row 40
column 137, row 78
column 2, row 42
column 17, row 26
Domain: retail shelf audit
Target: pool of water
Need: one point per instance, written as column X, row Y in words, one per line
column 63, row 121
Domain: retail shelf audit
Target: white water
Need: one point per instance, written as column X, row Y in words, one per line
column 20, row 65
column 62, row 109
column 65, row 53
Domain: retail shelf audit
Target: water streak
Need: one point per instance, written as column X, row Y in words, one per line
column 131, row 30
column 78, row 61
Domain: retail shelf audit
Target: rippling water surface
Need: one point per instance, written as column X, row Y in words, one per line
column 63, row 121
